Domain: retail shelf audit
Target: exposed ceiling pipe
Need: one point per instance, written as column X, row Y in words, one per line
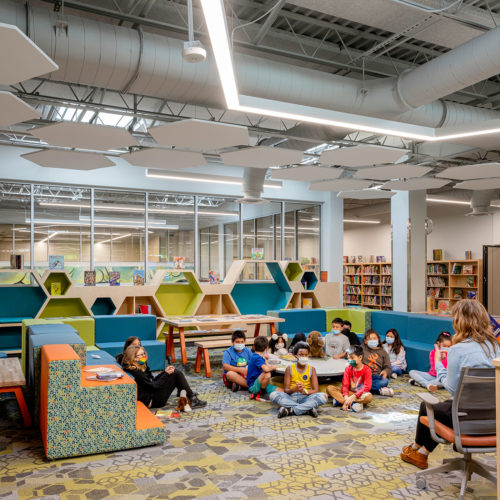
column 481, row 200
column 107, row 56
column 253, row 185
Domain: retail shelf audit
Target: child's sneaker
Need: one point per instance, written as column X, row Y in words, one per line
column 432, row 387
column 264, row 396
column 335, row 403
column 284, row 412
column 255, row 396
column 387, row 391
column 413, row 382
column 394, row 375
column 235, row 387
column 313, row 412
column 357, row 407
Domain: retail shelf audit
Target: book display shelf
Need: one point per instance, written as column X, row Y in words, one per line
column 449, row 281
column 368, row 285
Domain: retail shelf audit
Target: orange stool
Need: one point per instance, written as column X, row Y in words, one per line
column 11, row 380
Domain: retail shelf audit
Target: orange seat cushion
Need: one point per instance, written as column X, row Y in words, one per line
column 447, row 433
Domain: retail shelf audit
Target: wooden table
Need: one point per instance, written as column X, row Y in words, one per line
column 496, row 364
column 211, row 321
column 11, row 380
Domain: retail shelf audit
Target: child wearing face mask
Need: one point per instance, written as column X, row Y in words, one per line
column 235, row 362
column 336, row 344
column 353, row 338
column 356, row 383
column 394, row 347
column 300, row 396
column 377, row 359
column 429, row 379
column 277, row 344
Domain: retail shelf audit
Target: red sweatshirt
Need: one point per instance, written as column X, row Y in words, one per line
column 356, row 381
column 432, row 359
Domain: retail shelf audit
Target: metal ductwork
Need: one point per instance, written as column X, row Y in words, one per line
column 253, row 185
column 110, row 56
column 481, row 200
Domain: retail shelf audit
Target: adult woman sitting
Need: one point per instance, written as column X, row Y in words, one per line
column 130, row 341
column 473, row 346
column 154, row 391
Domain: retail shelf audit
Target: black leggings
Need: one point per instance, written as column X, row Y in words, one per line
column 176, row 380
column 442, row 413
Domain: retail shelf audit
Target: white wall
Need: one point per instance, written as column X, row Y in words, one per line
column 368, row 240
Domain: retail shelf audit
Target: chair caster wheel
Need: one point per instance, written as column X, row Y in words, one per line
column 421, row 483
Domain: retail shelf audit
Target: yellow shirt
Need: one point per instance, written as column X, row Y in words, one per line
column 300, row 378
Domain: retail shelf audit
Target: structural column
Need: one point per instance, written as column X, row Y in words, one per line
column 332, row 240
column 409, row 249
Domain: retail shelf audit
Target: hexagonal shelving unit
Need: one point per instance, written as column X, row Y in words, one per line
column 56, row 282
column 293, row 271
column 181, row 297
column 103, row 305
column 62, row 307
column 309, row 280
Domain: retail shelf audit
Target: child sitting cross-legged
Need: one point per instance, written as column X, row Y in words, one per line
column 394, row 347
column 352, row 337
column 259, row 372
column 377, row 359
column 336, row 344
column 300, row 394
column 356, row 383
column 235, row 362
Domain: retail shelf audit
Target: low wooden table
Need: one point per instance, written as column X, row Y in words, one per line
column 211, row 321
column 11, row 380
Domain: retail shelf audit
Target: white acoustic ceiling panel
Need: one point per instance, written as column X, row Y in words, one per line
column 14, row 110
column 165, row 159
column 73, row 160
column 262, row 157
column 306, row 173
column 361, row 156
column 20, row 58
column 340, row 185
column 84, row 136
column 479, row 184
column 466, row 172
column 200, row 135
column 367, row 194
column 387, row 172
column 415, row 184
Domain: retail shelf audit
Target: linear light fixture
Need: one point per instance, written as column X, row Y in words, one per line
column 449, row 202
column 215, row 19
column 215, row 179
column 49, row 237
column 112, row 223
column 362, row 221
column 115, row 238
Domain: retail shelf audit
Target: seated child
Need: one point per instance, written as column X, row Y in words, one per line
column 353, row 338
column 130, row 341
column 429, row 379
column 356, row 383
column 336, row 345
column 277, row 344
column 300, row 394
column 259, row 372
column 235, row 361
column 377, row 359
column 298, row 337
column 394, row 347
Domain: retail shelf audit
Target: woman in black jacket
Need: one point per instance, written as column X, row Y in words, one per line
column 152, row 390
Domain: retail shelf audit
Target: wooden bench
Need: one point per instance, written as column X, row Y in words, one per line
column 203, row 348
column 11, row 380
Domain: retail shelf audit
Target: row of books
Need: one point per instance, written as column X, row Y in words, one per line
column 437, row 269
column 386, row 270
column 114, row 278
column 386, row 280
column 352, row 289
column 370, row 290
column 352, row 280
column 371, row 280
column 371, row 300
column 386, row 290
column 352, row 270
column 371, row 270
column 436, row 281
column 359, row 259
column 460, row 293
column 352, row 299
column 386, row 301
column 458, row 268
column 435, row 292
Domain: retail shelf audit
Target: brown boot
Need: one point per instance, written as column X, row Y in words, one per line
column 415, row 458
column 408, row 449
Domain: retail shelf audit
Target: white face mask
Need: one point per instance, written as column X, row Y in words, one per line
column 280, row 345
column 303, row 360
column 238, row 347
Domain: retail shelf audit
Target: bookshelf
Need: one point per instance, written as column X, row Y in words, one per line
column 449, row 281
column 368, row 285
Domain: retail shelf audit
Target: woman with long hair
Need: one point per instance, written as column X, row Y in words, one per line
column 128, row 342
column 154, row 391
column 473, row 346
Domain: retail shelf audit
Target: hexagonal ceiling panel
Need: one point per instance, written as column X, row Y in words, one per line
column 84, row 136
column 307, row 173
column 367, row 194
column 200, row 135
column 20, row 58
column 360, row 156
column 262, row 157
column 15, row 110
column 415, row 184
column 387, row 172
column 340, row 185
column 479, row 184
column 165, row 159
column 72, row 160
column 467, row 172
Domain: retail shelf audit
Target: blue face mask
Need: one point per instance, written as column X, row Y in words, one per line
column 390, row 340
column 335, row 332
column 372, row 344
column 352, row 362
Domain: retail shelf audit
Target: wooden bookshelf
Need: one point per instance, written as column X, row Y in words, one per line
column 368, row 285
column 448, row 281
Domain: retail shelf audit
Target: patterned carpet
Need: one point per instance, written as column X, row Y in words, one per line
column 235, row 449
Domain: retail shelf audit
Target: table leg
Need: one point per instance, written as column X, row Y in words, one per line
column 21, row 402
column 183, row 345
column 206, row 359
column 170, row 351
column 272, row 329
column 197, row 364
column 257, row 330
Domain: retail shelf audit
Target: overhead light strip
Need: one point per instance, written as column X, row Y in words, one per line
column 448, row 202
column 215, row 19
column 362, row 221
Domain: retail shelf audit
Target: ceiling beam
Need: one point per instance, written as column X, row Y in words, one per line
column 271, row 17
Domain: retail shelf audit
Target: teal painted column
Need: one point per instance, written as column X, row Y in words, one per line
column 409, row 243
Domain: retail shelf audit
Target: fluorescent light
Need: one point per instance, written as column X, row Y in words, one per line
column 449, row 202
column 128, row 224
column 362, row 221
column 49, row 237
column 115, row 238
column 215, row 179
column 215, row 19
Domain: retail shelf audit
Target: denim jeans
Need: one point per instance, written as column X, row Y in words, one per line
column 397, row 370
column 301, row 403
column 377, row 383
column 424, row 378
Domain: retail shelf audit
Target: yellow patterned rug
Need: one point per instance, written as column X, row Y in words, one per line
column 236, row 448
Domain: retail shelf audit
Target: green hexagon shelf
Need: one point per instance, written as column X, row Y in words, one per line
column 179, row 293
column 56, row 282
column 293, row 271
column 62, row 307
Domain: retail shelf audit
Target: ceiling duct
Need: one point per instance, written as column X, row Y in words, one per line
column 253, row 185
column 481, row 200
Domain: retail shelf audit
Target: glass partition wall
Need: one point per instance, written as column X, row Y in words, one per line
column 134, row 230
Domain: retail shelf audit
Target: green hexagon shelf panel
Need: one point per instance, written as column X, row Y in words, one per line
column 180, row 297
column 56, row 282
column 63, row 307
